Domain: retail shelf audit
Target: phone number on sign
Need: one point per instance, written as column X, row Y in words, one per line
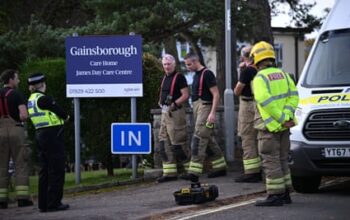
column 86, row 91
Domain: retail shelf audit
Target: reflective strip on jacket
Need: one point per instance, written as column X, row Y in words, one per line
column 39, row 117
column 276, row 97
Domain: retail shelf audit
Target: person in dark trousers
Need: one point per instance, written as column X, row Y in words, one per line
column 48, row 119
column 13, row 112
column 172, row 133
column 205, row 98
column 247, row 106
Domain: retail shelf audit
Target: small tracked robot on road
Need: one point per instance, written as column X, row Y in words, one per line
column 198, row 193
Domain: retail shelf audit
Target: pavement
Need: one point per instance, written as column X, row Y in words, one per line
column 139, row 199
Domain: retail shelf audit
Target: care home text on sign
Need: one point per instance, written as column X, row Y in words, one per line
column 104, row 66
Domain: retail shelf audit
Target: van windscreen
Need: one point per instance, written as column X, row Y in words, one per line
column 330, row 64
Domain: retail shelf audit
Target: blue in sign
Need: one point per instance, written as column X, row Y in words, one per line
column 131, row 138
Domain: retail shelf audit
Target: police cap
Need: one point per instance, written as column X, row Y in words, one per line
column 36, row 78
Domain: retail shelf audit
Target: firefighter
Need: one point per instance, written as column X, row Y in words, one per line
column 173, row 96
column 251, row 158
column 205, row 98
column 48, row 119
column 277, row 99
column 13, row 112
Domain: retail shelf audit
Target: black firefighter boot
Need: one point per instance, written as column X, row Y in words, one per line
column 24, row 202
column 286, row 197
column 271, row 200
column 217, row 173
column 249, row 178
column 3, row 205
column 189, row 176
column 163, row 179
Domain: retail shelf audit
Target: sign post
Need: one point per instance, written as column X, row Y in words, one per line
column 228, row 94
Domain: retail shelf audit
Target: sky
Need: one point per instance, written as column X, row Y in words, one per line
column 284, row 20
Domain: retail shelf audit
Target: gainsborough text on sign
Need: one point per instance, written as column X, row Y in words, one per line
column 104, row 66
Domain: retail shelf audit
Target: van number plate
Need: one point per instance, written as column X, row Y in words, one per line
column 336, row 152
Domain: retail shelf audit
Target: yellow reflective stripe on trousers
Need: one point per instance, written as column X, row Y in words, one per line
column 195, row 167
column 169, row 168
column 22, row 190
column 277, row 183
column 219, row 163
column 288, row 179
column 3, row 193
column 186, row 165
column 252, row 163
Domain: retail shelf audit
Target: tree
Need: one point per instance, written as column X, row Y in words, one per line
column 298, row 12
column 15, row 14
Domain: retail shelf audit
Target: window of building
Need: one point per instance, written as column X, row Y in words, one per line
column 279, row 54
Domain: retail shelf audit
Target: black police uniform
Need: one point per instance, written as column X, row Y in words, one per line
column 51, row 154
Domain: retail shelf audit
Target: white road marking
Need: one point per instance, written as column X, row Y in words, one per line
column 213, row 210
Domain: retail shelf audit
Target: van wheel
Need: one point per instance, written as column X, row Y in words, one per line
column 306, row 184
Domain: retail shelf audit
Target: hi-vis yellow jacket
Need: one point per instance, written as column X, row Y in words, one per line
column 276, row 97
column 39, row 117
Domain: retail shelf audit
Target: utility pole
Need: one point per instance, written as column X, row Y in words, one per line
column 228, row 94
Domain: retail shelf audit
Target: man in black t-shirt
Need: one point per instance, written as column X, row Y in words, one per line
column 13, row 113
column 251, row 158
column 172, row 133
column 205, row 98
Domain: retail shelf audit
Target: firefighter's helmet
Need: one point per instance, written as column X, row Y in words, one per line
column 261, row 51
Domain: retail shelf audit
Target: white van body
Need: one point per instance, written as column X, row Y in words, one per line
column 320, row 143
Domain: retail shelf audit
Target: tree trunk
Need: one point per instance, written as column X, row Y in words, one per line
column 262, row 29
column 109, row 164
column 220, row 59
column 234, row 75
column 170, row 48
column 187, row 36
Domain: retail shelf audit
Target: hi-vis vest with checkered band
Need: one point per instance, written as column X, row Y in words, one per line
column 276, row 97
column 39, row 117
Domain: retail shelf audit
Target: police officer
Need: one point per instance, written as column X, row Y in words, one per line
column 172, row 134
column 251, row 158
column 13, row 113
column 48, row 119
column 277, row 99
column 205, row 98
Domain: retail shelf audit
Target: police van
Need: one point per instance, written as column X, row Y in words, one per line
column 320, row 143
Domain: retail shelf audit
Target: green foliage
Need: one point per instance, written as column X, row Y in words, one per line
column 299, row 13
column 32, row 42
column 88, row 178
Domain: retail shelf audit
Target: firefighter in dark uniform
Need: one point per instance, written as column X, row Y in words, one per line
column 205, row 98
column 247, row 106
column 172, row 133
column 13, row 113
column 48, row 119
